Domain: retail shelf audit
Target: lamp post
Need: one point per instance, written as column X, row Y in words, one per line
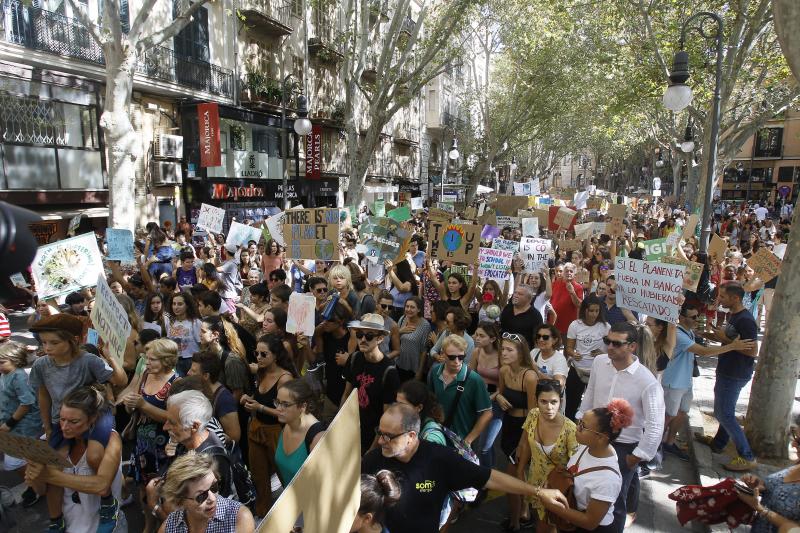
column 302, row 126
column 452, row 155
column 679, row 95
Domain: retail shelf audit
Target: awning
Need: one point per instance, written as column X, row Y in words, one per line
column 61, row 214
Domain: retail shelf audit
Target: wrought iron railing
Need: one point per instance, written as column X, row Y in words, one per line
column 39, row 29
column 278, row 10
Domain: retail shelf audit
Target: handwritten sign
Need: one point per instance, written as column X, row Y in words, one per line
column 241, row 234
column 34, row 450
column 716, row 248
column 120, row 245
column 617, row 211
column 274, row 225
column 505, row 244
column 311, row 233
column 211, row 218
column 110, row 320
column 595, row 202
column 536, row 253
column 584, row 231
column 459, row 243
column 300, row 317
column 570, row 245
column 530, row 227
column 765, row 264
column 509, row 205
column 384, row 239
column 691, row 277
column 650, row 288
column 504, row 221
column 66, row 266
column 495, row 264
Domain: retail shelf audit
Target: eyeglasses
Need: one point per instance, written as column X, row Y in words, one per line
column 369, row 336
column 385, row 306
column 203, row 496
column 320, row 290
column 282, row 405
column 387, row 436
column 582, row 427
column 543, row 337
column 513, row 337
column 460, row 357
column 615, row 344
column 262, row 354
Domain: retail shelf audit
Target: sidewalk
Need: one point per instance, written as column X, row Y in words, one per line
column 701, row 418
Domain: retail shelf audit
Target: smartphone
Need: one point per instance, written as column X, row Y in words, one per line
column 741, row 487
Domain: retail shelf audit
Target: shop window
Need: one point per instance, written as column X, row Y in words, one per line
column 769, row 142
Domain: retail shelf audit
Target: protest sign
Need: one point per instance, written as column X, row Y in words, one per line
column 617, row 211
column 543, row 215
column 615, row 227
column 673, row 239
column 716, row 248
column 211, row 218
column 509, row 205
column 580, row 199
column 495, row 264
column 650, row 288
column 598, row 228
column 416, row 204
column 30, row 448
column 434, row 213
column 560, row 218
column 691, row 225
column 311, row 233
column 504, row 244
column 530, row 227
column 470, row 213
column 522, row 189
column 274, row 226
column 384, row 238
column 488, row 217
column 584, row 231
column 765, row 264
column 535, row 253
column 300, row 316
column 507, row 221
column 691, row 278
column 240, row 234
column 19, row 280
column 459, row 243
column 446, row 206
column 535, row 188
column 595, row 202
column 490, row 232
column 379, row 207
column 120, row 245
column 570, row 245
column 66, row 266
column 655, row 249
column 110, row 320
column 401, row 214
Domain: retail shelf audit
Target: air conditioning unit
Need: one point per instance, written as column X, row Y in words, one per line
column 163, row 173
column 170, row 146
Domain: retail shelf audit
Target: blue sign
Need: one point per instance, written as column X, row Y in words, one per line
column 120, row 245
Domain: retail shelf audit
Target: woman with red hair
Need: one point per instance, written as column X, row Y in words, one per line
column 596, row 469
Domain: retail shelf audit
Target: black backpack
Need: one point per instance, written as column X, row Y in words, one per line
column 242, row 488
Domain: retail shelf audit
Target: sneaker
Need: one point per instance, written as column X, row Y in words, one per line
column 57, row 525
column 708, row 440
column 108, row 517
column 29, row 497
column 677, row 452
column 740, row 464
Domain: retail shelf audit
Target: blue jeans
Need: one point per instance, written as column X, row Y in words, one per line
column 485, row 446
column 630, row 485
column 726, row 394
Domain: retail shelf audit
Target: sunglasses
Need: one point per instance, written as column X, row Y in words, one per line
column 369, row 336
column 282, row 405
column 387, row 436
column 543, row 337
column 320, row 290
column 582, row 427
column 513, row 337
column 203, row 496
column 384, row 306
column 615, row 344
column 262, row 354
column 460, row 357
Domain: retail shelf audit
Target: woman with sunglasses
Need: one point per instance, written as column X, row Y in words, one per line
column 548, row 359
column 779, row 505
column 275, row 368
column 516, row 395
column 486, row 362
column 548, row 442
column 596, row 491
column 584, row 342
column 191, row 486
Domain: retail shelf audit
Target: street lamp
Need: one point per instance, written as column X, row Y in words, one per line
column 678, row 96
column 302, row 126
column 687, row 146
column 453, row 154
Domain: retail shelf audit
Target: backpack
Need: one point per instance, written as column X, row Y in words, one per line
column 242, row 488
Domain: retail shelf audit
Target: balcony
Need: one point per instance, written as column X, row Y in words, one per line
column 325, row 44
column 451, row 120
column 370, row 72
column 406, row 133
column 272, row 18
column 43, row 30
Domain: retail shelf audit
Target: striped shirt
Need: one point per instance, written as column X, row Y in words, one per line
column 5, row 328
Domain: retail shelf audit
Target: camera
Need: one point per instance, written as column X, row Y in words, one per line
column 17, row 244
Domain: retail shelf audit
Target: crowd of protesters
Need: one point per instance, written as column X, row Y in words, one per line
column 215, row 403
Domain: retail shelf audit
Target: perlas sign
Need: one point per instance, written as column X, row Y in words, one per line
column 314, row 153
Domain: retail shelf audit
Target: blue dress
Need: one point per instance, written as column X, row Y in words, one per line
column 780, row 497
column 15, row 390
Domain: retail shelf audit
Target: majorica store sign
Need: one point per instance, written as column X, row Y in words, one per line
column 231, row 192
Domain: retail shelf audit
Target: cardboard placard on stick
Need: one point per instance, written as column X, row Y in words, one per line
column 311, row 233
column 66, row 266
column 384, row 238
column 211, row 218
column 765, row 264
column 691, row 225
column 691, row 278
column 459, row 243
column 615, row 227
column 495, row 264
column 34, row 450
column 119, row 243
column 570, row 245
column 716, row 248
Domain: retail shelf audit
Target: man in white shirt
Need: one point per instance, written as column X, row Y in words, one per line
column 620, row 375
column 761, row 212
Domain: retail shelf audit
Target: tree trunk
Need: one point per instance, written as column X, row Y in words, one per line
column 361, row 160
column 787, row 20
column 676, row 164
column 122, row 143
column 772, row 392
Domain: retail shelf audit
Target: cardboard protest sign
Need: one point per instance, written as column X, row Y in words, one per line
column 416, row 204
column 617, row 211
column 401, row 214
column 584, row 231
column 509, row 205
column 543, row 215
column 434, row 213
column 240, row 234
column 655, row 249
column 119, row 243
column 560, row 218
column 580, row 199
column 535, row 253
column 384, row 238
column 504, row 244
column 459, row 243
column 326, row 507
column 595, row 202
column 74, row 223
column 274, row 225
column 495, row 264
column 66, row 266
column 765, row 264
column 598, row 228
column 530, row 227
column 110, row 320
column 211, row 218
column 508, row 221
column 691, row 278
column 34, row 450
column 691, row 225
column 488, row 217
column 615, row 227
column 650, row 288
column 490, row 232
column 300, row 316
column 716, row 248
column 19, row 280
column 570, row 245
column 673, row 239
column 311, row 233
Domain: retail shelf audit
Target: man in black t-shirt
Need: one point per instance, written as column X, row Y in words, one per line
column 371, row 373
column 427, row 473
column 520, row 316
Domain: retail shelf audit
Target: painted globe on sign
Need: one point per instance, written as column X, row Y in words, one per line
column 493, row 311
column 324, row 249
